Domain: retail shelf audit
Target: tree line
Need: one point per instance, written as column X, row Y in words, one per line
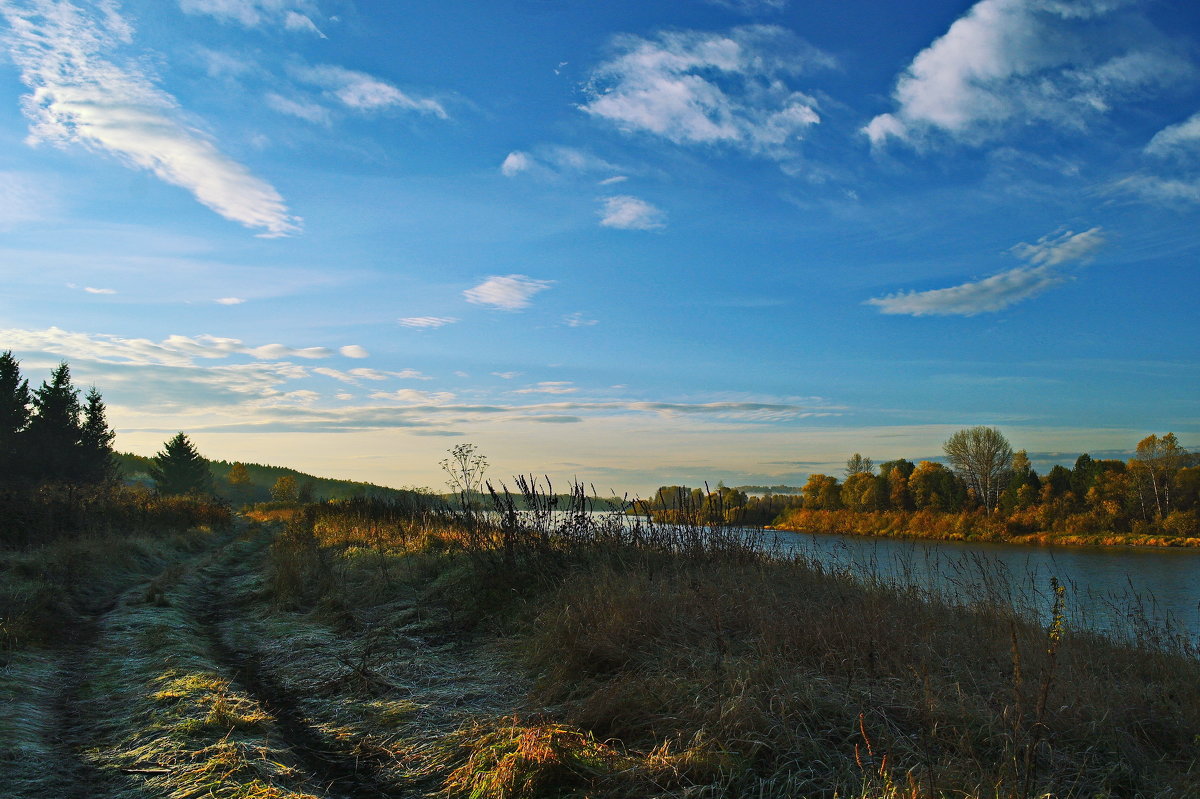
column 1157, row 490
column 59, row 475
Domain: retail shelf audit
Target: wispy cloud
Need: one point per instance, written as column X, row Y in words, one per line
column 578, row 319
column 229, row 301
column 507, row 375
column 1178, row 139
column 751, row 6
column 510, row 292
column 171, row 351
column 1002, row 290
column 362, row 92
column 549, row 387
column 626, row 212
column 426, row 322
column 24, row 198
column 354, row 351
column 81, row 95
column 299, row 108
column 91, row 290
column 356, row 376
column 554, row 161
column 291, row 16
column 410, row 396
column 1008, row 63
column 692, row 87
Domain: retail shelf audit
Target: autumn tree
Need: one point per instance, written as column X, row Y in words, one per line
column 859, row 492
column 286, row 489
column 180, row 469
column 857, row 464
column 821, row 492
column 1156, row 462
column 933, row 487
column 239, row 482
column 981, row 456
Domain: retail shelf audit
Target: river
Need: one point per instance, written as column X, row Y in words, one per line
column 1126, row 592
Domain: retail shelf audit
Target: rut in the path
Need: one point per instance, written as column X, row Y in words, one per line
column 342, row 774
column 79, row 777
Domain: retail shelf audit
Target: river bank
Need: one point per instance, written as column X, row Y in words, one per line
column 932, row 526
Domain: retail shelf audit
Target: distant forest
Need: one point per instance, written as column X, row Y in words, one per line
column 262, row 478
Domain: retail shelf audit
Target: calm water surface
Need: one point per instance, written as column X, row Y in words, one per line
column 1108, row 588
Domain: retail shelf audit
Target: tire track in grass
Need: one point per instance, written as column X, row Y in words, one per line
column 353, row 776
column 71, row 734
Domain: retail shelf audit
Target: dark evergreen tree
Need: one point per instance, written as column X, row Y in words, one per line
column 180, row 469
column 14, row 417
column 97, row 464
column 54, row 430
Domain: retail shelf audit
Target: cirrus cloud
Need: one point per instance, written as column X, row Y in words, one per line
column 999, row 291
column 625, row 212
column 508, row 292
column 692, row 87
column 81, row 95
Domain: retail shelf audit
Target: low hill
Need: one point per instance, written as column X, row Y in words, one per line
column 136, row 468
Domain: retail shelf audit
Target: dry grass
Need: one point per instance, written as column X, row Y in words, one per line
column 675, row 661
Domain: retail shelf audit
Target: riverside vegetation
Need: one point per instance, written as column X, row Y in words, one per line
column 407, row 647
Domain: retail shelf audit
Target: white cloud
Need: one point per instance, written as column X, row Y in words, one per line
column 362, row 92
column 292, row 16
column 506, row 375
column 91, row 290
column 515, row 163
column 614, row 179
column 229, row 301
column 427, row 322
column 631, row 213
column 1175, row 139
column 691, row 87
column 301, row 109
column 411, row 396
column 1008, row 63
column 354, row 351
column 549, row 387
column 1005, row 289
column 751, row 6
column 80, row 95
column 991, row 294
column 354, row 376
column 510, row 292
column 1062, row 248
column 172, row 351
column 577, row 319
column 1160, row 189
column 294, row 21
column 554, row 161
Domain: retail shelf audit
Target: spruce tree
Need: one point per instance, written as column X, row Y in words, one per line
column 54, row 431
column 180, row 469
column 14, row 417
column 97, row 463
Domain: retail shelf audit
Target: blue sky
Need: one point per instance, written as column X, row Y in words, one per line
column 630, row 242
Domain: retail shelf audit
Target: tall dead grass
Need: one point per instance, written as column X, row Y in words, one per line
column 672, row 659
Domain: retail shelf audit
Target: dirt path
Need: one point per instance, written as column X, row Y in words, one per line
column 71, row 731
column 340, row 773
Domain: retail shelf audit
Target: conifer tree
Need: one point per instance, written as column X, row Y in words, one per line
column 97, row 463
column 14, row 416
column 180, row 469
column 54, row 431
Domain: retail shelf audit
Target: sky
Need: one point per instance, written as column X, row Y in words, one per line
column 631, row 243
